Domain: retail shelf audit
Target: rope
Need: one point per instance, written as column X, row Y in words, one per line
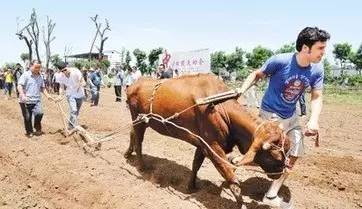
column 159, row 118
column 154, row 93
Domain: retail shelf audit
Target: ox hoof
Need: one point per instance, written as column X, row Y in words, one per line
column 128, row 154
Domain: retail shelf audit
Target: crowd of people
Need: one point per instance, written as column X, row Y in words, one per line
column 78, row 85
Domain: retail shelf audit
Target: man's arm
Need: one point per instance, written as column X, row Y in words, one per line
column 45, row 92
column 20, row 89
column 253, row 77
column 22, row 95
column 316, row 108
column 21, row 84
column 91, row 84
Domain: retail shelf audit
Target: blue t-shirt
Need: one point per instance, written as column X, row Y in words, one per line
column 287, row 82
column 96, row 78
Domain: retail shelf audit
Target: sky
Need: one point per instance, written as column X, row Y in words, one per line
column 181, row 25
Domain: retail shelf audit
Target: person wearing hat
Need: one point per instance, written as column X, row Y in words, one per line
column 72, row 79
column 30, row 87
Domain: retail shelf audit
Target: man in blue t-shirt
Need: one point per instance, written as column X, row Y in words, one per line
column 289, row 75
column 95, row 81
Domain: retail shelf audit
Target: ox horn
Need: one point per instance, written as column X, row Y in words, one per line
column 246, row 159
column 266, row 146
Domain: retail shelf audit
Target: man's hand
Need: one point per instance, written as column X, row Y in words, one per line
column 311, row 129
column 23, row 97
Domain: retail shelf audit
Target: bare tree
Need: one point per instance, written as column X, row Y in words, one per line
column 100, row 32
column 48, row 38
column 94, row 19
column 103, row 39
column 33, row 31
column 67, row 52
column 29, row 42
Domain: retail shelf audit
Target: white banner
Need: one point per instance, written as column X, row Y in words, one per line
column 197, row 61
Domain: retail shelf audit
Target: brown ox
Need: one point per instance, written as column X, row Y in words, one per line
column 222, row 125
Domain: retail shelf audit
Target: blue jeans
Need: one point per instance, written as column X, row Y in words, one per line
column 95, row 94
column 8, row 88
column 28, row 110
column 74, row 108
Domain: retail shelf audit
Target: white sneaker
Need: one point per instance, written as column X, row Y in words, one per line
column 273, row 201
column 277, row 202
column 286, row 205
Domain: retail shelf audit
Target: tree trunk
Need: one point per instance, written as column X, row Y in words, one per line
column 100, row 55
column 90, row 51
column 28, row 42
column 94, row 19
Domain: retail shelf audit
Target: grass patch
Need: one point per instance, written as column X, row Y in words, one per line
column 352, row 98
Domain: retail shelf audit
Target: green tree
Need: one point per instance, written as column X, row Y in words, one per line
column 55, row 59
column 235, row 61
column 218, row 61
column 9, row 65
column 140, row 60
column 327, row 70
column 24, row 56
column 127, row 60
column 104, row 64
column 342, row 52
column 152, row 59
column 258, row 56
column 123, row 54
column 356, row 59
column 78, row 64
column 286, row 48
column 84, row 63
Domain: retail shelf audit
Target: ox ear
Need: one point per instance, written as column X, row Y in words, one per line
column 246, row 159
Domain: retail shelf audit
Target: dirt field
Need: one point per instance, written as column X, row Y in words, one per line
column 51, row 171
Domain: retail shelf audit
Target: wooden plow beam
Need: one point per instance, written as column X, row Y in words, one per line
column 90, row 144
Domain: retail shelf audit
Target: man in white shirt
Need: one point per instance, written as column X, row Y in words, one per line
column 136, row 73
column 118, row 82
column 56, row 77
column 73, row 80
